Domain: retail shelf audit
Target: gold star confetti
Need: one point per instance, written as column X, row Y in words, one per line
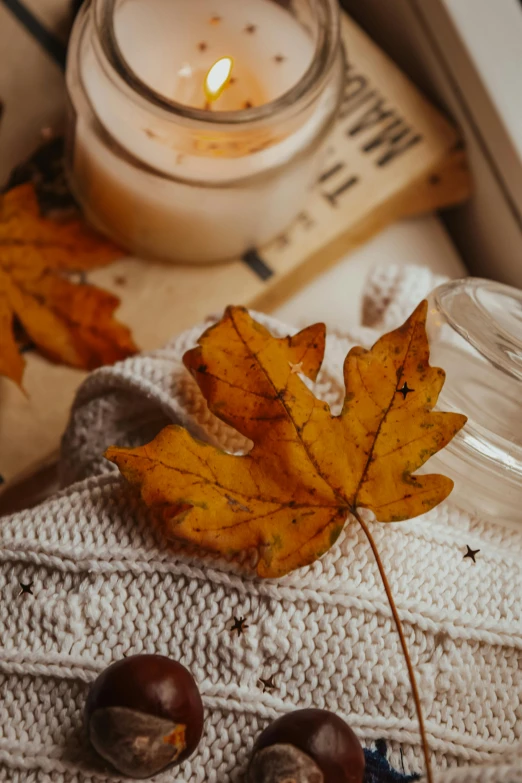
column 405, row 390
column 296, row 368
column 269, row 684
column 240, row 625
column 471, row 553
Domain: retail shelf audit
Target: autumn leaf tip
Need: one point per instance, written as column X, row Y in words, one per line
column 422, row 308
column 112, row 453
column 447, row 487
column 462, row 420
column 419, row 315
column 192, row 360
column 230, row 310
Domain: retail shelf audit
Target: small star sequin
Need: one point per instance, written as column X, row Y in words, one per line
column 26, row 588
column 268, row 685
column 471, row 553
column 296, row 368
column 279, row 58
column 405, row 390
column 250, row 29
column 240, row 625
column 202, row 46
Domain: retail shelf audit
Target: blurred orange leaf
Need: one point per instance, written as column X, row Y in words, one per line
column 291, row 494
column 68, row 323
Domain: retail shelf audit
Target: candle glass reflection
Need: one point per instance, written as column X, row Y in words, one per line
column 167, row 169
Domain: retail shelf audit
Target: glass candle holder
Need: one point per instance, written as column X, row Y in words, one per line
column 475, row 331
column 177, row 160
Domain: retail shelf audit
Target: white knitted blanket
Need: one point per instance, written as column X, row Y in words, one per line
column 104, row 585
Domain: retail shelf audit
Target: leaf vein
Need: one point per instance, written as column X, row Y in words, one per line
column 306, row 450
column 364, row 473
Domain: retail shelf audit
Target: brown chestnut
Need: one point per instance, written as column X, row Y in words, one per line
column 307, row 746
column 144, row 714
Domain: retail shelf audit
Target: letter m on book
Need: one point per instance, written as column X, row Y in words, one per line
column 392, row 139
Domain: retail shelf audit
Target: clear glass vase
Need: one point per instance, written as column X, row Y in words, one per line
column 475, row 331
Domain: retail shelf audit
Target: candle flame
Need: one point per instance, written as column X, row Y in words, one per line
column 218, row 78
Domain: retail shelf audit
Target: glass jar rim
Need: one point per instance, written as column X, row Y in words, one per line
column 497, row 344
column 485, row 315
column 310, row 83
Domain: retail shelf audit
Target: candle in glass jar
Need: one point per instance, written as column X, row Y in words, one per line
column 175, row 166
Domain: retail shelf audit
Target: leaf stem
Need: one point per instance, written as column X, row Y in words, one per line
column 400, row 631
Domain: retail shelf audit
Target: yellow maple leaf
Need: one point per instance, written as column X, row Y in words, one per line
column 68, row 323
column 308, row 470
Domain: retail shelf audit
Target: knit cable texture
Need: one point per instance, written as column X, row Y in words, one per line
column 105, row 584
